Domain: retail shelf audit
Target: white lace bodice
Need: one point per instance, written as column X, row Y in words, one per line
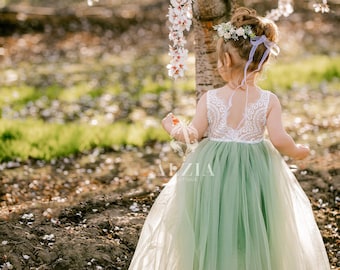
column 252, row 128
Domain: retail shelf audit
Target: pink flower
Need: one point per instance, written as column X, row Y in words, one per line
column 285, row 8
column 177, row 64
column 180, row 18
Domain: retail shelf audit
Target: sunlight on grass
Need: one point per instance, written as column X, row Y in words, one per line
column 310, row 71
column 151, row 85
column 120, row 76
column 38, row 140
column 130, row 80
column 18, row 95
column 75, row 92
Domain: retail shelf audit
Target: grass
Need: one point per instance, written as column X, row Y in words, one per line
column 310, row 71
column 38, row 140
column 137, row 80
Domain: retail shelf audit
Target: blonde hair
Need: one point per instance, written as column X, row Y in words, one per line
column 259, row 25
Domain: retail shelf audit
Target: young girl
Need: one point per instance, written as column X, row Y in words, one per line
column 234, row 204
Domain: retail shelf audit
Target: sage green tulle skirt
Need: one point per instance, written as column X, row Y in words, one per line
column 231, row 206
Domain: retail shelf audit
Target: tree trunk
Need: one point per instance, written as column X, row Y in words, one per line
column 205, row 15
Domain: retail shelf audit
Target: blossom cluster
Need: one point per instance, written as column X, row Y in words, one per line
column 228, row 31
column 180, row 18
column 285, row 8
column 321, row 7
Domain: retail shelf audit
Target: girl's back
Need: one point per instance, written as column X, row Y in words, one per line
column 232, row 117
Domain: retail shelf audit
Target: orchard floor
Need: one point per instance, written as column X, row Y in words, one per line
column 86, row 212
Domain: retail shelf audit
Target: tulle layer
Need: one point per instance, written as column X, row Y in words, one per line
column 231, row 206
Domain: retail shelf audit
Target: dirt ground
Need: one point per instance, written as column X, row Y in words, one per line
column 86, row 211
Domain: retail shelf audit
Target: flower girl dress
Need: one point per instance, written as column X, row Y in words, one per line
column 233, row 205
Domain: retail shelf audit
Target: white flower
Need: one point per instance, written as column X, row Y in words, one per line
column 227, row 26
column 226, row 35
column 227, row 31
column 178, row 41
column 323, row 8
column 240, row 31
column 174, row 35
column 6, row 266
column 48, row 237
column 177, row 65
column 285, row 8
column 173, row 15
column 180, row 18
column 90, row 2
column 134, row 207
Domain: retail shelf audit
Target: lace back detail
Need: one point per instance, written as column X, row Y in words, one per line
column 252, row 129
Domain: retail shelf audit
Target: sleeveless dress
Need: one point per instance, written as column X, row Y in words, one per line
column 233, row 205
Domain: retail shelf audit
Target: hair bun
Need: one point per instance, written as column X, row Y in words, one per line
column 245, row 11
column 244, row 16
column 260, row 26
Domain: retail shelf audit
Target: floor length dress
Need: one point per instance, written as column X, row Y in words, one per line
column 233, row 205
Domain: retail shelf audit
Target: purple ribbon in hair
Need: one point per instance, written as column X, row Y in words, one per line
column 271, row 47
column 256, row 41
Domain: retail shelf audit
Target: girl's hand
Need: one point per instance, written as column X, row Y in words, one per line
column 302, row 151
column 169, row 121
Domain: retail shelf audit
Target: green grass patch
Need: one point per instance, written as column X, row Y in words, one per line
column 18, row 95
column 75, row 92
column 310, row 71
column 151, row 85
column 39, row 140
column 148, row 75
column 36, row 139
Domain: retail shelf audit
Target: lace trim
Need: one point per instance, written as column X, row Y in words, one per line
column 237, row 141
column 253, row 125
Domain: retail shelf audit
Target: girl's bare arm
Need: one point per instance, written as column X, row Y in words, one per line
column 195, row 129
column 278, row 135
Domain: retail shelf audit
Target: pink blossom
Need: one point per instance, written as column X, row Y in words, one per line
column 285, row 8
column 180, row 18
